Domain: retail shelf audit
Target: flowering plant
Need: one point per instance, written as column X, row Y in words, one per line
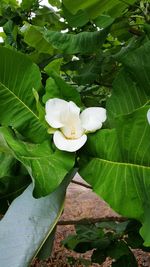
column 62, row 83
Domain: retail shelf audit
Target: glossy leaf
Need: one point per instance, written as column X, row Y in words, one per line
column 76, row 20
column 18, row 76
column 137, row 64
column 84, row 42
column 34, row 38
column 126, row 96
column 103, row 21
column 118, row 167
column 46, row 166
column 27, row 225
column 57, row 87
column 54, row 66
column 28, row 4
column 97, row 7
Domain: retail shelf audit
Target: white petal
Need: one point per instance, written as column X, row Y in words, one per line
column 55, row 110
column 70, row 145
column 73, row 108
column 148, row 116
column 92, row 118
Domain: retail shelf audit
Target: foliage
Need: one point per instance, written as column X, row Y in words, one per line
column 107, row 239
column 94, row 53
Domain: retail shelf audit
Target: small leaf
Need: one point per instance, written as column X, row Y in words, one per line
column 53, row 66
column 56, row 87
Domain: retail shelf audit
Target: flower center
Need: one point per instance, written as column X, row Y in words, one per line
column 72, row 130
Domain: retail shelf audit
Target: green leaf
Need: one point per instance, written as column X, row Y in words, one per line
column 28, row 4
column 13, row 178
column 121, row 29
column 103, row 21
column 34, row 38
column 85, row 239
column 76, row 20
column 10, row 30
column 13, row 3
column 88, row 71
column 27, row 225
column 126, row 96
column 97, row 7
column 18, row 76
column 137, row 63
column 118, row 249
column 6, row 162
column 126, row 261
column 53, row 66
column 131, row 85
column 45, row 16
column 99, row 256
column 84, row 42
column 40, row 108
column 57, row 87
column 56, row 3
column 122, row 254
column 118, row 167
column 11, row 187
column 46, row 166
column 133, row 238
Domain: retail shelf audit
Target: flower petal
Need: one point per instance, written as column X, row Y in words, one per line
column 148, row 116
column 73, row 108
column 55, row 109
column 92, row 118
column 70, row 145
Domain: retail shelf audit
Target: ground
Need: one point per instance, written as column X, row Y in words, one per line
column 81, row 203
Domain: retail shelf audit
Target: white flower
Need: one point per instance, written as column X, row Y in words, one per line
column 71, row 125
column 148, row 115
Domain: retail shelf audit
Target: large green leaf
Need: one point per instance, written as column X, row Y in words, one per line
column 34, row 38
column 18, row 76
column 27, row 225
column 126, row 96
column 118, row 167
column 97, row 7
column 84, row 42
column 131, row 87
column 46, row 41
column 137, row 63
column 46, row 166
column 76, row 20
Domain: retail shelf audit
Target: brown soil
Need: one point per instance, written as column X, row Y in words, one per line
column 81, row 203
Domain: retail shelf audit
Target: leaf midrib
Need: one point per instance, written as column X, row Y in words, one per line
column 19, row 100
column 122, row 163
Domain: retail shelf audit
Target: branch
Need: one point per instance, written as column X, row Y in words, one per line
column 81, row 184
column 92, row 220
